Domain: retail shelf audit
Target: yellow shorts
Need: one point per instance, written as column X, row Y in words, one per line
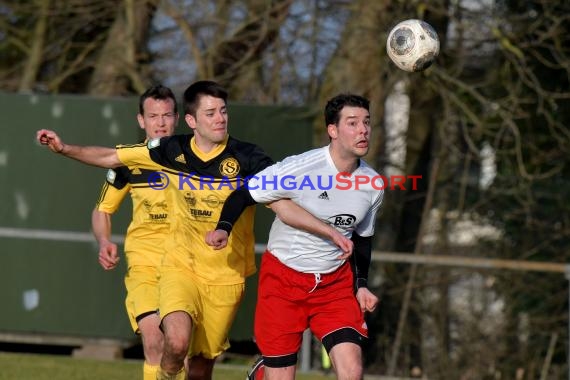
column 142, row 292
column 212, row 308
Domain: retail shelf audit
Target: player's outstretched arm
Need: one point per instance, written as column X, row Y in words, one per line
column 101, row 225
column 91, row 155
column 297, row 217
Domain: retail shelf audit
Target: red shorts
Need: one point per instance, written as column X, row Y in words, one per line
column 289, row 302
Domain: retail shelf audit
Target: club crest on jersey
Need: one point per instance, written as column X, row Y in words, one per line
column 229, row 167
column 111, row 175
column 153, row 143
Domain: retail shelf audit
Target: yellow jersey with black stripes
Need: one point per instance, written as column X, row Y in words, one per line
column 150, row 222
column 196, row 185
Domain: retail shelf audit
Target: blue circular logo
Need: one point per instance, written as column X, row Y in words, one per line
column 158, row 180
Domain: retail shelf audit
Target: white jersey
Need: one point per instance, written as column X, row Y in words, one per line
column 312, row 181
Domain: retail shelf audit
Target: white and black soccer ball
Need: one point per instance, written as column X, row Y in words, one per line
column 412, row 45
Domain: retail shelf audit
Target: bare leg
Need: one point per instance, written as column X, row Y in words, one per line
column 152, row 338
column 177, row 328
column 283, row 373
column 153, row 341
column 346, row 359
column 200, row 368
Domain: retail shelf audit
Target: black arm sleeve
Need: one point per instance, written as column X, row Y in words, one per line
column 233, row 207
column 360, row 259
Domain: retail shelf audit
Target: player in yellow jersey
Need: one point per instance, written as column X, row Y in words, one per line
column 200, row 288
column 150, row 224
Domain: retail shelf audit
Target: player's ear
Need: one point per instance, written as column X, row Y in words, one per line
column 190, row 120
column 332, row 131
column 140, row 119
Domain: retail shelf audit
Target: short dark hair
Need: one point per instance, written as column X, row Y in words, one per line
column 196, row 90
column 337, row 103
column 158, row 92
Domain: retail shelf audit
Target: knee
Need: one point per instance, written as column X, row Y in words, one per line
column 352, row 371
column 153, row 350
column 176, row 346
column 155, row 345
column 152, row 341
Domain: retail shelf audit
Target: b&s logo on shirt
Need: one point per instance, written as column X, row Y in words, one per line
column 342, row 220
column 229, row 167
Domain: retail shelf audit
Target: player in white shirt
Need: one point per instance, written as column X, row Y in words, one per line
column 305, row 281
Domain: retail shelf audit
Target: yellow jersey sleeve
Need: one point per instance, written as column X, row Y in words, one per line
column 136, row 155
column 111, row 198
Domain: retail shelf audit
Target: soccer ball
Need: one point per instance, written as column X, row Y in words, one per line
column 412, row 45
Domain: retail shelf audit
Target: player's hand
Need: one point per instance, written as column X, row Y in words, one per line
column 366, row 299
column 51, row 139
column 217, row 239
column 343, row 243
column 108, row 256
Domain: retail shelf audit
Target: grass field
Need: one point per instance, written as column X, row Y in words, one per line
column 48, row 367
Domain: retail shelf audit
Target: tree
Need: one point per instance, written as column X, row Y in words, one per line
column 54, row 46
column 121, row 67
column 229, row 42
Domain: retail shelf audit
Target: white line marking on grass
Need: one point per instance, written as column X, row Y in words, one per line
column 71, row 236
column 26, row 233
